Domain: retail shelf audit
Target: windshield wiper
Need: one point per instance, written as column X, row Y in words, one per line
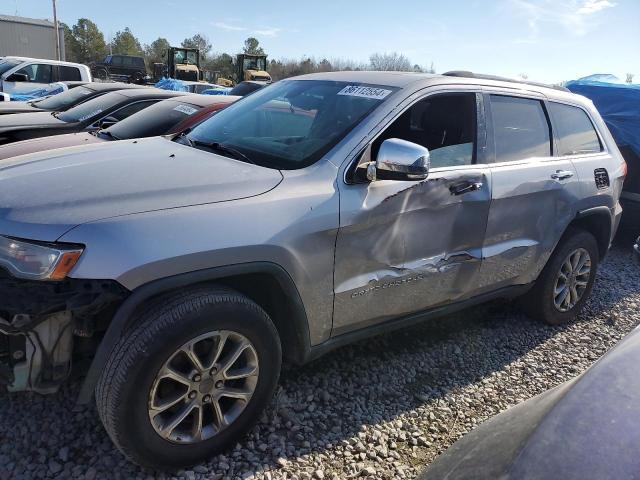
column 183, row 136
column 221, row 147
column 106, row 134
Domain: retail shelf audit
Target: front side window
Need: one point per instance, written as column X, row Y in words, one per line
column 445, row 124
column 64, row 100
column 290, row 124
column 520, row 128
column 574, row 130
column 37, row 73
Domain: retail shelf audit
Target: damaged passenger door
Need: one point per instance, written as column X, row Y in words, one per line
column 406, row 246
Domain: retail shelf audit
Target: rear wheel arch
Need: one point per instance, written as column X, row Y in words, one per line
column 597, row 221
column 267, row 284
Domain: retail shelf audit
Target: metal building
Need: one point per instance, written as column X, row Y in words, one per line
column 29, row 37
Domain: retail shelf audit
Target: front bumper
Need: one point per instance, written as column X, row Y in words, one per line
column 38, row 322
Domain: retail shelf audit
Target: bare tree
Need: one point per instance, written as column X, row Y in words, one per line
column 630, row 77
column 286, row 67
column 390, row 62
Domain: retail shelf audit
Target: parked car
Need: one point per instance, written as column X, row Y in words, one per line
column 317, row 211
column 198, row 87
column 65, row 100
column 583, row 429
column 247, row 87
column 127, row 68
column 100, row 112
column 165, row 117
column 22, row 74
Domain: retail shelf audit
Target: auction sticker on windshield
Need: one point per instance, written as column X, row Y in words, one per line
column 187, row 110
column 365, row 92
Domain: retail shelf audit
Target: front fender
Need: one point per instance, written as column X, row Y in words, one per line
column 124, row 315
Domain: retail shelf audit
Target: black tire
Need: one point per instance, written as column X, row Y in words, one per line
column 539, row 302
column 122, row 393
column 101, row 74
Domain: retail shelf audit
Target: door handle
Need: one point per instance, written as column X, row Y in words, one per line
column 464, row 187
column 562, row 175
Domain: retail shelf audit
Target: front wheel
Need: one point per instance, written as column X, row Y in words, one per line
column 566, row 281
column 190, row 378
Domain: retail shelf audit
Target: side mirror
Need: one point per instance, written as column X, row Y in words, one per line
column 399, row 160
column 17, row 77
column 107, row 122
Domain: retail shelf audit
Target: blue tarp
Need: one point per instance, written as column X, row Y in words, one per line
column 52, row 89
column 618, row 104
column 171, row 84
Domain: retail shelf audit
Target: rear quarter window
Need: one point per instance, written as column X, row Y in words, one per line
column 576, row 134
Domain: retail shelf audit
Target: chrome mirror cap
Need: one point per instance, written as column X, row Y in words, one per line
column 400, row 160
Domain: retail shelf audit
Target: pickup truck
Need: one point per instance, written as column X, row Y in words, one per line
column 23, row 74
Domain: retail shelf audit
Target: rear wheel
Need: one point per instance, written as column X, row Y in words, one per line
column 566, row 282
column 101, row 74
column 190, row 379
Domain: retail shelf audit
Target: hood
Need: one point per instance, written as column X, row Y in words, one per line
column 17, row 107
column 585, row 428
column 18, row 121
column 45, row 194
column 44, row 144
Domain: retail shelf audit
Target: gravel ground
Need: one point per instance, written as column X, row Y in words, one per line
column 382, row 408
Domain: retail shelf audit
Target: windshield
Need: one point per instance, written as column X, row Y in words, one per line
column 92, row 108
column 292, row 123
column 185, row 56
column 64, row 100
column 7, row 65
column 254, row 63
column 158, row 119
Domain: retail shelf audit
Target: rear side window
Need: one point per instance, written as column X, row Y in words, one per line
column 68, row 74
column 574, row 129
column 520, row 128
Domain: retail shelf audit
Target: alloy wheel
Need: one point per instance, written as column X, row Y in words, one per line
column 572, row 280
column 203, row 387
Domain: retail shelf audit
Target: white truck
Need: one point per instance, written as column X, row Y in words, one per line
column 22, row 74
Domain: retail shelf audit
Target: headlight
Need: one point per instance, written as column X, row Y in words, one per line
column 35, row 261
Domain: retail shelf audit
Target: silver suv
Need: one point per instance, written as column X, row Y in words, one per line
column 318, row 211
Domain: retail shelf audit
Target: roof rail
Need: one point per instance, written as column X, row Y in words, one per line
column 466, row 74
